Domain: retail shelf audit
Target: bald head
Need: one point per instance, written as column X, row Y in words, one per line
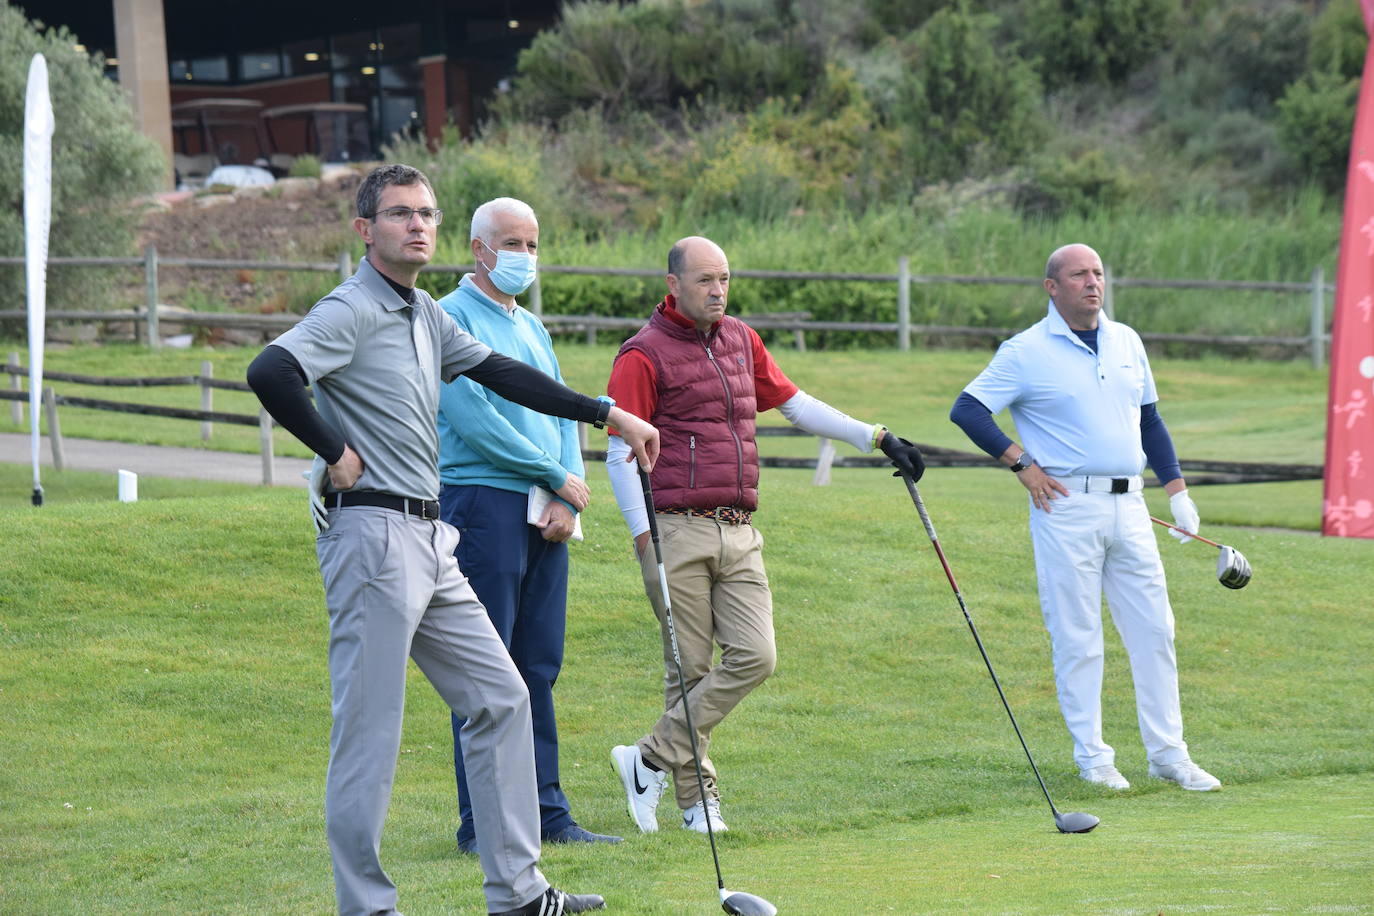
column 685, row 250
column 1056, row 262
column 1074, row 278
column 699, row 280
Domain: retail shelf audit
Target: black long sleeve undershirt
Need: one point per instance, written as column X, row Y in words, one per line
column 528, row 387
column 278, row 380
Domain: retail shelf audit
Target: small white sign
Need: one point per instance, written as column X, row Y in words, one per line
column 128, row 487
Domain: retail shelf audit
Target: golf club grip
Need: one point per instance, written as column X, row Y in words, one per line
column 920, row 505
column 648, row 502
column 1193, row 535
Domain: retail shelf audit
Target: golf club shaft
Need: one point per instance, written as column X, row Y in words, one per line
column 677, row 661
column 1160, row 521
column 949, row 574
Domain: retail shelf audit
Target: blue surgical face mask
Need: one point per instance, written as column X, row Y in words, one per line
column 514, row 270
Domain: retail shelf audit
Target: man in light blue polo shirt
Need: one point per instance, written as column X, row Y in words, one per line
column 1080, row 390
column 491, row 453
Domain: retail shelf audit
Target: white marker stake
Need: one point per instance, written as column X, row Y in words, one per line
column 38, row 126
column 128, row 487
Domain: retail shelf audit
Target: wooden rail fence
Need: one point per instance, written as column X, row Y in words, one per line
column 147, row 319
column 1214, row 472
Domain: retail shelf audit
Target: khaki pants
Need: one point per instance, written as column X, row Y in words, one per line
column 719, row 594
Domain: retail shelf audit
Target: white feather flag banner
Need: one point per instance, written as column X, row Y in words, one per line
column 38, row 127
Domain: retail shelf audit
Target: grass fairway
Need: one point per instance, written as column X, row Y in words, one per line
column 164, row 718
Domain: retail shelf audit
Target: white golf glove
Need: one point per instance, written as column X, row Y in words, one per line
column 1185, row 515
column 317, row 476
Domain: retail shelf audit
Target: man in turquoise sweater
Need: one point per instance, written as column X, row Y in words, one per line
column 496, row 461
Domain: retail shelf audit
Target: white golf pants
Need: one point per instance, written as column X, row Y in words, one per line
column 1089, row 544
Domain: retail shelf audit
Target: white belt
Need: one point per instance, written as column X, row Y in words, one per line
column 1082, row 484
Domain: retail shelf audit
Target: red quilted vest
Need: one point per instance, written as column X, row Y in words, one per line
column 705, row 413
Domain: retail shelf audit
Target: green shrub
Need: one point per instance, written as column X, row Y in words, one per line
column 1316, row 120
column 99, row 161
column 306, row 166
column 1339, row 40
column 1082, row 184
column 1096, row 41
column 963, row 105
column 652, row 56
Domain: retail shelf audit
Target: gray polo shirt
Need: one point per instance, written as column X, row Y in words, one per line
column 371, row 358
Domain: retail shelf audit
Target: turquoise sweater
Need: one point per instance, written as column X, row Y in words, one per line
column 485, row 439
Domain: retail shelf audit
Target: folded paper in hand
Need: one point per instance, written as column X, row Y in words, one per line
column 539, row 498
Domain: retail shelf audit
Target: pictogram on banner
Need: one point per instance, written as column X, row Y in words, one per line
column 1348, row 499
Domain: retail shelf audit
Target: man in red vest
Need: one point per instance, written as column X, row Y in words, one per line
column 701, row 376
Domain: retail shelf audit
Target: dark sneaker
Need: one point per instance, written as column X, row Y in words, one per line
column 554, row 902
column 468, row 846
column 575, row 833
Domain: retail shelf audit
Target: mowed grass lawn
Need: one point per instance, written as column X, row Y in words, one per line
column 164, row 707
column 164, row 711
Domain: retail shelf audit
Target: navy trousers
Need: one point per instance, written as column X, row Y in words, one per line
column 522, row 580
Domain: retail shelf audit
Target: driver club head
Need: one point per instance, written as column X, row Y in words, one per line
column 1075, row 822
column 742, row 904
column 1233, row 570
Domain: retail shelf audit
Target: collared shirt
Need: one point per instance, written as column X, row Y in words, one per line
column 1077, row 412
column 375, row 363
column 485, row 439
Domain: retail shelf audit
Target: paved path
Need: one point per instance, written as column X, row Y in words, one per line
column 155, row 460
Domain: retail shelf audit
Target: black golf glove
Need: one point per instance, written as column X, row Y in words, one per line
column 906, row 458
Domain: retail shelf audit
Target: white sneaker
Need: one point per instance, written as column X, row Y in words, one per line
column 1105, row 775
column 643, row 786
column 1187, row 774
column 693, row 819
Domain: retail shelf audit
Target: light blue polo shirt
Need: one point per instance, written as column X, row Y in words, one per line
column 1076, row 411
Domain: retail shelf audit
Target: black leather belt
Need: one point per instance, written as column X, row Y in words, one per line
column 420, row 508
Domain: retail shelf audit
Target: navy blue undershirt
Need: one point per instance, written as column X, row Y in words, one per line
column 973, row 417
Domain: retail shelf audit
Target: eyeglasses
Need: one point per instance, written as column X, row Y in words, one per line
column 401, row 215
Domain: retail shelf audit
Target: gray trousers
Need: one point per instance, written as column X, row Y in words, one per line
column 394, row 591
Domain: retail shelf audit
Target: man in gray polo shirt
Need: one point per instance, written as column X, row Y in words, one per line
column 375, row 350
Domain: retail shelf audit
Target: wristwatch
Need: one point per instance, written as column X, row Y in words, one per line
column 609, row 402
column 1024, row 461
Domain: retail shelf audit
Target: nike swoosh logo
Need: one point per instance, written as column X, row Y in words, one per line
column 640, row 789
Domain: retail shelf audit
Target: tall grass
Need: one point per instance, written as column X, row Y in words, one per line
column 946, row 233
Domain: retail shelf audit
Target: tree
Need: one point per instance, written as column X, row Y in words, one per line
column 1096, row 41
column 965, row 105
column 99, row 158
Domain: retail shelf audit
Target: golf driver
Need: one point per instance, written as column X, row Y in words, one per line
column 1068, row 822
column 1233, row 570
column 736, row 902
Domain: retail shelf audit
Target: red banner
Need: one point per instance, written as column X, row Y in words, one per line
column 1348, row 501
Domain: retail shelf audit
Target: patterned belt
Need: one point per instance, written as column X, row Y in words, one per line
column 727, row 515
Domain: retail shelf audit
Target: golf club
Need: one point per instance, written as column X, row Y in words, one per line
column 1233, row 570
column 737, row 902
column 1068, row 822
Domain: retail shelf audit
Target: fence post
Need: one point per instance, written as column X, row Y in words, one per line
column 536, row 297
column 54, row 430
column 1108, row 305
column 904, row 303
column 1318, row 317
column 16, row 407
column 265, row 440
column 823, row 461
column 207, row 399
column 345, row 265
column 582, row 440
column 150, row 280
